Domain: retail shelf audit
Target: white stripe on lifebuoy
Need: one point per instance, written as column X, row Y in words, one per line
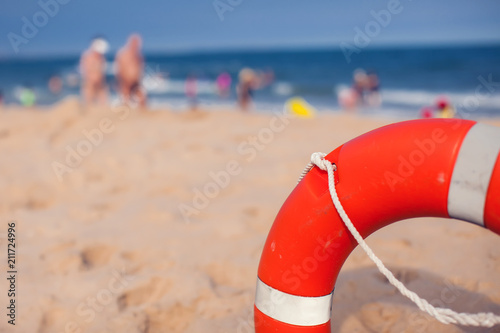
column 472, row 173
column 292, row 309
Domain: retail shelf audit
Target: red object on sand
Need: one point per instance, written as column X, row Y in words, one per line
column 418, row 168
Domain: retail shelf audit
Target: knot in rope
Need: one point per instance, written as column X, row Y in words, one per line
column 318, row 159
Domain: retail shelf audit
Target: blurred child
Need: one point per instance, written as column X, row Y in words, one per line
column 444, row 109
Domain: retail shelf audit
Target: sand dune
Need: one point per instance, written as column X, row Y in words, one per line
column 114, row 235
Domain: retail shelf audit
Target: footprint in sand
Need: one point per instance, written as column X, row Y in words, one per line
column 256, row 219
column 98, row 210
column 173, row 319
column 62, row 258
column 251, row 211
column 37, row 197
column 387, row 318
column 136, row 263
column 96, row 256
column 148, row 293
column 54, row 318
column 230, row 275
column 130, row 322
column 404, row 275
column 118, row 189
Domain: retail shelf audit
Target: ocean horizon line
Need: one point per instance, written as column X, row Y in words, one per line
column 181, row 52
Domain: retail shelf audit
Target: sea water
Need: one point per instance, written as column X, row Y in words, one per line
column 410, row 77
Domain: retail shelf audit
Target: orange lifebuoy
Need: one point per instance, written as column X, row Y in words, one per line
column 431, row 167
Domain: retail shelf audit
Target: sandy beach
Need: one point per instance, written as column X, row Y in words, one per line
column 155, row 222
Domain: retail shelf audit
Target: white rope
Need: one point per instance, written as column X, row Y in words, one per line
column 446, row 316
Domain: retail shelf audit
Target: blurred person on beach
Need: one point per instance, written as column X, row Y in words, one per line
column 365, row 90
column 129, row 71
column 427, row 112
column 191, row 91
column 55, row 85
column 249, row 81
column 360, row 85
column 372, row 96
column 441, row 109
column 223, row 83
column 444, row 109
column 350, row 98
column 93, row 71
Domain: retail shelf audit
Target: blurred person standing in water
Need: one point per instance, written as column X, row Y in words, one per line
column 223, row 83
column 55, row 84
column 373, row 97
column 365, row 91
column 249, row 82
column 191, row 90
column 129, row 70
column 93, row 71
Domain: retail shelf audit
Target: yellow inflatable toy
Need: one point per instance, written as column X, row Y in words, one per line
column 299, row 107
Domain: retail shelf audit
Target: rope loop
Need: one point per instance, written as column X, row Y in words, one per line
column 446, row 316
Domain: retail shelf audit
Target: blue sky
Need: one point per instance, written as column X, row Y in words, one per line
column 182, row 25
